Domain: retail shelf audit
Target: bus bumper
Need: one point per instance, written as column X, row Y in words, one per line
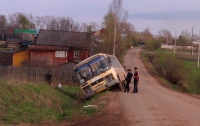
column 110, row 84
column 96, row 91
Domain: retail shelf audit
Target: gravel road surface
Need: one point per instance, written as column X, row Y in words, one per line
column 155, row 105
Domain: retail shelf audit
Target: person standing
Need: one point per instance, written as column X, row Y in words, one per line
column 128, row 80
column 136, row 80
column 48, row 78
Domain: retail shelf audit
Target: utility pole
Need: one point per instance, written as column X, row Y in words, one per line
column 167, row 42
column 115, row 32
column 175, row 44
column 192, row 42
column 198, row 50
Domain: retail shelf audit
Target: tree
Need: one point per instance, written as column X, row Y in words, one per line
column 20, row 20
column 147, row 36
column 94, row 26
column 186, row 34
column 32, row 20
column 3, row 21
column 24, row 22
column 165, row 36
column 38, row 22
column 182, row 41
column 84, row 27
column 115, row 16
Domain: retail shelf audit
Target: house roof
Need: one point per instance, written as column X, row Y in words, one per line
column 44, row 47
column 19, row 37
column 64, row 38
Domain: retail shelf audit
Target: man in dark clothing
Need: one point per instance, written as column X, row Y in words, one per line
column 136, row 80
column 48, row 78
column 128, row 80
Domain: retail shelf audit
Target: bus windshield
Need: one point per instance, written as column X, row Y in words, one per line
column 83, row 73
column 91, row 69
column 99, row 65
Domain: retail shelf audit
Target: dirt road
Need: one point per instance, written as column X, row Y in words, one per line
column 156, row 105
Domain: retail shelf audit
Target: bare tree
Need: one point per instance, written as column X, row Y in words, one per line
column 3, row 21
column 32, row 20
column 84, row 27
column 165, row 36
column 77, row 27
column 38, row 22
column 146, row 35
column 20, row 20
column 118, row 15
column 94, row 26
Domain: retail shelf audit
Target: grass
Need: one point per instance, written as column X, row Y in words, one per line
column 192, row 81
column 31, row 103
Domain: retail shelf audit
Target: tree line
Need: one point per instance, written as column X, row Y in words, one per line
column 28, row 21
column 118, row 34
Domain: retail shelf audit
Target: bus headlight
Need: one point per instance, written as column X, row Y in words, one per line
column 87, row 89
column 109, row 78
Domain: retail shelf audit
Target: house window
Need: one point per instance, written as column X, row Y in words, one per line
column 60, row 54
column 76, row 54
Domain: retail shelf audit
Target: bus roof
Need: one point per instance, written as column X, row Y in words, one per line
column 89, row 59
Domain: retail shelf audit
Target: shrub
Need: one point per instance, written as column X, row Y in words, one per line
column 170, row 67
column 153, row 45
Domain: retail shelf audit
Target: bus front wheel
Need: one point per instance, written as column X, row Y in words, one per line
column 120, row 86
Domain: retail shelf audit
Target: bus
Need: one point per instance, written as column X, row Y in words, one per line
column 100, row 72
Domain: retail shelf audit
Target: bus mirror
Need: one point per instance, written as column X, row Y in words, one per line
column 82, row 81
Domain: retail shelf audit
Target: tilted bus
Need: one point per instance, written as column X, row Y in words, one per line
column 99, row 72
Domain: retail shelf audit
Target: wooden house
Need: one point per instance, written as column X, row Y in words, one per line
column 15, row 58
column 20, row 39
column 55, row 47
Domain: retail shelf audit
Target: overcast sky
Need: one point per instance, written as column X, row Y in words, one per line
column 172, row 15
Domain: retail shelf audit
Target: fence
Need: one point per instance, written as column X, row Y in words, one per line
column 64, row 75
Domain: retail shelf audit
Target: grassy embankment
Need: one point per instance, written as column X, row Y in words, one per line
column 33, row 103
column 191, row 82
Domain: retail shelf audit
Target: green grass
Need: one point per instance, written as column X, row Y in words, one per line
column 192, row 81
column 31, row 103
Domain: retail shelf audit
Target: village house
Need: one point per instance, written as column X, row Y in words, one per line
column 20, row 39
column 14, row 58
column 14, row 45
column 54, row 47
column 98, row 36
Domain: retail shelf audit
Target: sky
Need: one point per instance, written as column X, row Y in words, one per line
column 172, row 15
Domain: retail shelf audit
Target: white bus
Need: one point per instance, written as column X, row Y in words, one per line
column 99, row 72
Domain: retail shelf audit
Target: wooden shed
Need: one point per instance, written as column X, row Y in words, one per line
column 14, row 58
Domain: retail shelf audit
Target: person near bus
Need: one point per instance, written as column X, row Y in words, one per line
column 128, row 80
column 136, row 80
column 48, row 78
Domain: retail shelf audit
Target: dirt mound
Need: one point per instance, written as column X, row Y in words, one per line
column 111, row 115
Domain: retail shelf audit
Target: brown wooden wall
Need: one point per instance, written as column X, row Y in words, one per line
column 47, row 58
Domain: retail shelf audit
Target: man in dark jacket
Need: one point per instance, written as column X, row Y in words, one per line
column 48, row 78
column 128, row 80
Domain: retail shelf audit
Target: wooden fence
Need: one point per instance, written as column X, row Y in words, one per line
column 64, row 75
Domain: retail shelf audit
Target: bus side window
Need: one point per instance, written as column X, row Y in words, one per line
column 109, row 60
